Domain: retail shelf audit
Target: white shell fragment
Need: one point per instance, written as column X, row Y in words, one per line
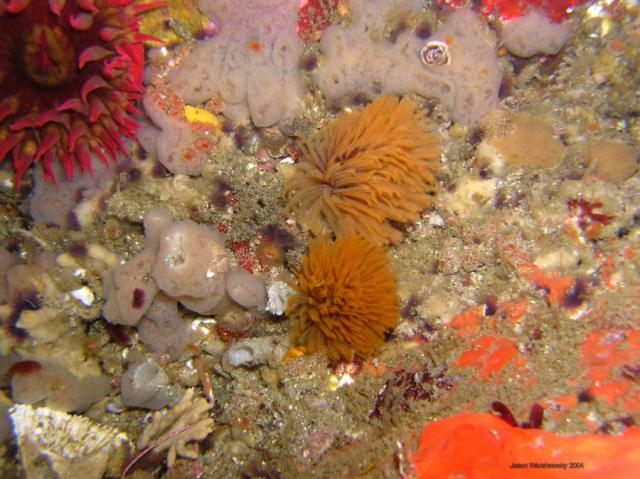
column 84, row 295
column 278, row 295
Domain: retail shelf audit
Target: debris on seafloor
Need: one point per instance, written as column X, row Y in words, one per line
column 344, row 232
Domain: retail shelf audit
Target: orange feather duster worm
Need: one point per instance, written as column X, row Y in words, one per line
column 345, row 300
column 366, row 172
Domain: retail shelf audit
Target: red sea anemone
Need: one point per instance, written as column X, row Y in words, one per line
column 70, row 73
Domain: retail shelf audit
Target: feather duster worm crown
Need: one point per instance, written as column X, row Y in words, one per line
column 346, row 298
column 366, row 171
column 70, row 72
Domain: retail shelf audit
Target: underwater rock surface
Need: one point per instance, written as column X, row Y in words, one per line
column 157, row 299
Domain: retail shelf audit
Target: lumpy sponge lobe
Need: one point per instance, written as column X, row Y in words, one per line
column 251, row 65
column 190, row 257
column 359, row 60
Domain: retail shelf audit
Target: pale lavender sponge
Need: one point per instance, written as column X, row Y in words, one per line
column 171, row 141
column 251, row 65
column 246, row 289
column 129, row 291
column 163, row 330
column 191, row 261
column 357, row 59
column 534, row 33
column 71, row 203
column 182, row 262
column 58, row 387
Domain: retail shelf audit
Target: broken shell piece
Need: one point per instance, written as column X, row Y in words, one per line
column 84, row 295
column 56, row 444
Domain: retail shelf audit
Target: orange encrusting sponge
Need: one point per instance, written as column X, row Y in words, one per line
column 478, row 446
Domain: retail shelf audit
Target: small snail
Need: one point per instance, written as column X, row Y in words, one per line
column 435, row 53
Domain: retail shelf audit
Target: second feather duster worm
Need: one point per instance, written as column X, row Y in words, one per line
column 346, row 298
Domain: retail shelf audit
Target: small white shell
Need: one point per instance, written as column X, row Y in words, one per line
column 84, row 295
column 435, row 53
